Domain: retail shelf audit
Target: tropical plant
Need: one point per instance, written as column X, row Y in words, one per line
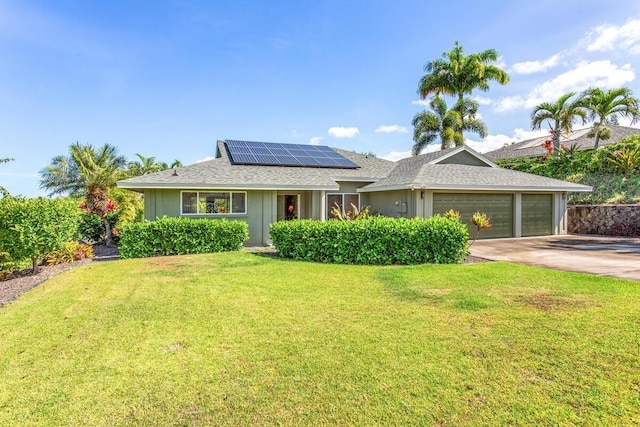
column 88, row 172
column 176, row 164
column 604, row 107
column 69, row 252
column 457, row 74
column 349, row 215
column 145, row 165
column 626, row 160
column 481, row 222
column 560, row 115
column 445, row 123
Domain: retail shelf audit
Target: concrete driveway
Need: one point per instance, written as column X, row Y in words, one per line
column 601, row 255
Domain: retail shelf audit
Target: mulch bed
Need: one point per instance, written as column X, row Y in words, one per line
column 19, row 282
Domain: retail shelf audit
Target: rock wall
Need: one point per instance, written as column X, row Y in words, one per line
column 612, row 220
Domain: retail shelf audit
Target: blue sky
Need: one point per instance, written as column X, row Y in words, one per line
column 169, row 78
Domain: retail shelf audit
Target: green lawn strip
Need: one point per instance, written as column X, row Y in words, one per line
column 237, row 338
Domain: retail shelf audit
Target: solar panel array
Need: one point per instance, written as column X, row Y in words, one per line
column 275, row 154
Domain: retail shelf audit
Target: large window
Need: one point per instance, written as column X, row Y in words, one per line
column 213, row 203
column 346, row 201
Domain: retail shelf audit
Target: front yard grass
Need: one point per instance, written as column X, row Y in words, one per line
column 242, row 339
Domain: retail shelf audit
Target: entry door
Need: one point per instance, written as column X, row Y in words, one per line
column 288, row 207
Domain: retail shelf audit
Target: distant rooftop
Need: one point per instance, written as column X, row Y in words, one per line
column 534, row 147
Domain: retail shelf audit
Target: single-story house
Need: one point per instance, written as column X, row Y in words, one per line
column 535, row 147
column 266, row 182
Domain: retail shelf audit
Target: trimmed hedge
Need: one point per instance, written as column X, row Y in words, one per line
column 178, row 236
column 376, row 240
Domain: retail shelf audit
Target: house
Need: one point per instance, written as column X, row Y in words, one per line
column 266, row 182
column 535, row 147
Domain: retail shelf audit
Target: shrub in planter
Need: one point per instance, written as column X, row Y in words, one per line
column 376, row 240
column 176, row 236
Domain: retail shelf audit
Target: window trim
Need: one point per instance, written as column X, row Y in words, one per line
column 198, row 213
column 328, row 208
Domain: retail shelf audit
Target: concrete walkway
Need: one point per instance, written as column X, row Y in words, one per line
column 601, row 255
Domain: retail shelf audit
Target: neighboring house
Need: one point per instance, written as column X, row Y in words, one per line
column 535, row 147
column 265, row 182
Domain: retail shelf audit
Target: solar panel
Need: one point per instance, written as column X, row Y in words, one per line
column 275, row 154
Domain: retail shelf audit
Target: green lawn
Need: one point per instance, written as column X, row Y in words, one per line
column 242, row 339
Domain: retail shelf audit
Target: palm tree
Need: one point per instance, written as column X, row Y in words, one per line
column 448, row 124
column 87, row 172
column 176, row 164
column 145, row 165
column 561, row 115
column 3, row 190
column 457, row 74
column 604, row 107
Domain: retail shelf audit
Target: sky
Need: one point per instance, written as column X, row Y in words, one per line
column 168, row 78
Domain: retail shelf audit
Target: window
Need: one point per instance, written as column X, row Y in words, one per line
column 343, row 200
column 213, row 202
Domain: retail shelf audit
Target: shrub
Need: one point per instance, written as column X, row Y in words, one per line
column 376, row 240
column 176, row 236
column 31, row 228
column 69, row 252
column 91, row 228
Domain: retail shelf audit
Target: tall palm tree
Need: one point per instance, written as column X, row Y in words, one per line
column 87, row 172
column 604, row 107
column 457, row 74
column 3, row 191
column 445, row 123
column 560, row 115
column 145, row 165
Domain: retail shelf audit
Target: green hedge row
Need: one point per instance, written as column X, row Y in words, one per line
column 376, row 240
column 177, row 236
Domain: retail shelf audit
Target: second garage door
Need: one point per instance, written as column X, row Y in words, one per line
column 498, row 207
column 536, row 214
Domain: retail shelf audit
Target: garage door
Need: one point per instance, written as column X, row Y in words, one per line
column 498, row 207
column 537, row 214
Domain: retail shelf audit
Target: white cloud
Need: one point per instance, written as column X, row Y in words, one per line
column 482, row 100
column 391, row 129
column 343, row 132
column 606, row 38
column 421, row 102
column 603, row 74
column 396, row 155
column 530, row 67
column 315, row 140
column 205, row 159
column 508, row 103
column 493, row 142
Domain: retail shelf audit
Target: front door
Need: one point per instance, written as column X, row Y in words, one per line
column 288, row 207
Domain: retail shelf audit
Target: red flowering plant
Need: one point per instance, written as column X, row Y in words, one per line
column 99, row 204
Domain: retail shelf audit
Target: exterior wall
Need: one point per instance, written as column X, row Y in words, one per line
column 261, row 211
column 396, row 204
column 603, row 219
